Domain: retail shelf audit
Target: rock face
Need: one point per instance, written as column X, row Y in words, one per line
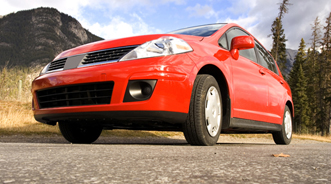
column 34, row 37
column 290, row 57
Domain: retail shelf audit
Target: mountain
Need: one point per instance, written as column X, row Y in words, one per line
column 34, row 37
column 290, row 56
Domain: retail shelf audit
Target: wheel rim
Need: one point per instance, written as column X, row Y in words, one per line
column 288, row 125
column 213, row 111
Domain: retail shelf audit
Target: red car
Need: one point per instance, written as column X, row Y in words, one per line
column 200, row 80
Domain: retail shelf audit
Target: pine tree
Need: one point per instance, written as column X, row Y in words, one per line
column 322, row 80
column 283, row 8
column 302, row 108
column 326, row 58
column 298, row 83
column 278, row 50
column 312, row 71
column 311, row 76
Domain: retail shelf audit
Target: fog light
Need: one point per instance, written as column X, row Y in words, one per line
column 146, row 90
column 139, row 90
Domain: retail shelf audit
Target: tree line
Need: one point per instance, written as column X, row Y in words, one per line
column 310, row 77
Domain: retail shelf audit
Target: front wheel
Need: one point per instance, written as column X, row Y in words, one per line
column 76, row 133
column 203, row 125
column 284, row 136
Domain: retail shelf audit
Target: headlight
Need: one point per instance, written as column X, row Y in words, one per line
column 161, row 47
column 44, row 70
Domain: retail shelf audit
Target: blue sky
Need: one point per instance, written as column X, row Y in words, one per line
column 121, row 18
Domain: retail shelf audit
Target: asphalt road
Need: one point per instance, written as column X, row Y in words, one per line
column 164, row 161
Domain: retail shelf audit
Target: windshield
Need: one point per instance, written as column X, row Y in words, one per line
column 205, row 30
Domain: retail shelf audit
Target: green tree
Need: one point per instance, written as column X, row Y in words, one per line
column 312, row 72
column 326, row 80
column 298, row 83
column 322, row 76
column 278, row 50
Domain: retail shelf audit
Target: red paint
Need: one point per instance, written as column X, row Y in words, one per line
column 255, row 92
column 242, row 42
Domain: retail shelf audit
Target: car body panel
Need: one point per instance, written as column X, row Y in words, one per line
column 251, row 91
column 121, row 72
column 253, row 96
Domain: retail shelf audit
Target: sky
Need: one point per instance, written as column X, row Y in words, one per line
column 111, row 19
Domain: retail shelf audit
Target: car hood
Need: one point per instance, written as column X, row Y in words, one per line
column 121, row 42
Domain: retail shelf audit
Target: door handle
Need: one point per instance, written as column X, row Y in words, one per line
column 262, row 71
column 282, row 82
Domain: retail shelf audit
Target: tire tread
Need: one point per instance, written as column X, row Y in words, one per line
column 71, row 133
column 193, row 129
column 280, row 137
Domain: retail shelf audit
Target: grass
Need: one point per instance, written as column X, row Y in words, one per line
column 139, row 133
column 17, row 118
column 313, row 137
column 250, row 135
column 295, row 136
column 9, row 83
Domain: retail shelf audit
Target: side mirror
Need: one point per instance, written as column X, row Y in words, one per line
column 241, row 43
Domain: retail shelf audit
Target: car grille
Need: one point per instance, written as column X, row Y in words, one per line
column 113, row 54
column 106, row 55
column 76, row 95
column 58, row 64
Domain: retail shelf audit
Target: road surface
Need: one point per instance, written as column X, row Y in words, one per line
column 143, row 160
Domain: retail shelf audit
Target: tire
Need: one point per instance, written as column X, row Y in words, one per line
column 204, row 122
column 285, row 135
column 76, row 133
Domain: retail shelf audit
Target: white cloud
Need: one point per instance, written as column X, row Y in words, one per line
column 239, row 7
column 119, row 27
column 177, row 2
column 115, row 29
column 258, row 15
column 201, row 11
column 115, row 26
column 245, row 22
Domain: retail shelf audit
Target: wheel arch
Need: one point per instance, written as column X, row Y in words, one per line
column 224, row 87
column 291, row 107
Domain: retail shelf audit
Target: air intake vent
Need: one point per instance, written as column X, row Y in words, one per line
column 58, row 64
column 76, row 95
column 107, row 55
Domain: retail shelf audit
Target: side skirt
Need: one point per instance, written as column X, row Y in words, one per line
column 238, row 125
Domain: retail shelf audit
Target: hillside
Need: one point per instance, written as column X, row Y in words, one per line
column 34, row 37
column 290, row 57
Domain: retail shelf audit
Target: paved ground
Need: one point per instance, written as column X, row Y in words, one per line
column 161, row 160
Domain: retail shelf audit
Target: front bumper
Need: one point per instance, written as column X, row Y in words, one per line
column 169, row 102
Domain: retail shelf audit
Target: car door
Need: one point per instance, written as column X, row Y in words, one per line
column 276, row 91
column 250, row 100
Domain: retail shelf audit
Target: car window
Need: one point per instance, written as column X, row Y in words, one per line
column 205, row 30
column 223, row 42
column 248, row 53
column 234, row 33
column 265, row 59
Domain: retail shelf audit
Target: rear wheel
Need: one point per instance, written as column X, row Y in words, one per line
column 203, row 126
column 285, row 135
column 76, row 133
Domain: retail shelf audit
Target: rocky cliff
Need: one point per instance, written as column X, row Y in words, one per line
column 34, row 37
column 290, row 57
